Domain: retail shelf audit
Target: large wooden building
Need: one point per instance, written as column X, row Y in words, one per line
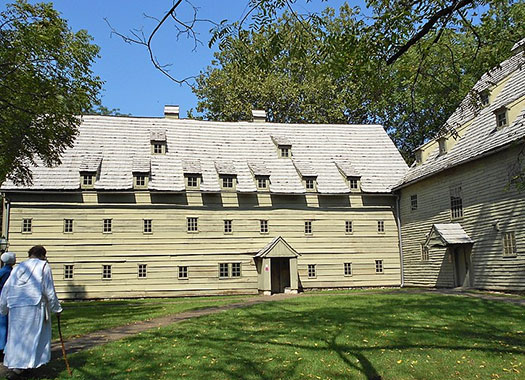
column 462, row 217
column 167, row 207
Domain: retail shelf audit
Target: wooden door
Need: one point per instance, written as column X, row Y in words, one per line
column 280, row 272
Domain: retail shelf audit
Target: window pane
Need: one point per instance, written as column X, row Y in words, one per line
column 308, row 227
column 106, row 271
column 236, row 269
column 311, row 270
column 228, row 227
column 379, row 266
column 142, row 270
column 68, row 272
column 348, row 269
column 183, row 272
column 349, row 228
column 264, row 226
column 223, row 270
column 456, row 202
column 192, row 224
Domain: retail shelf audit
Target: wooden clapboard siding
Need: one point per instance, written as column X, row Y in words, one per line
column 170, row 245
column 487, row 200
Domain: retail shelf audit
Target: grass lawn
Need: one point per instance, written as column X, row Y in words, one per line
column 82, row 317
column 334, row 336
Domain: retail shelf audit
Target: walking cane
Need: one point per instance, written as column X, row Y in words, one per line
column 63, row 346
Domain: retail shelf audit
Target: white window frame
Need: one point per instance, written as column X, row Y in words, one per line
column 264, row 227
column 87, row 180
column 380, row 226
column 107, row 272
column 262, row 183
column 192, row 182
column 502, row 118
column 182, row 272
column 140, row 181
column 192, row 224
column 349, row 227
column 285, row 151
column 236, row 270
column 27, row 226
column 142, row 270
column 347, row 269
column 158, row 147
column 107, row 226
column 308, row 230
column 379, row 264
column 68, row 226
column 147, row 226
column 69, row 271
column 310, row 184
column 223, row 274
column 353, row 183
column 312, row 270
column 228, row 226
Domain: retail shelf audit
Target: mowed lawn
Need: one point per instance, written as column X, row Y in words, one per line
column 350, row 335
column 82, row 317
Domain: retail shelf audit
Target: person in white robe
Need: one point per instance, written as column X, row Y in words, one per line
column 28, row 298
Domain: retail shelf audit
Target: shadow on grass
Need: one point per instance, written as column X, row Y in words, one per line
column 283, row 339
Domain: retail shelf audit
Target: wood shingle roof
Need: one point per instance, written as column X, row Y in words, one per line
column 195, row 147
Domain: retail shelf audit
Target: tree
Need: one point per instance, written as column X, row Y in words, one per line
column 46, row 82
column 332, row 70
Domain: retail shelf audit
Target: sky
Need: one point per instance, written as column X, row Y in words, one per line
column 132, row 84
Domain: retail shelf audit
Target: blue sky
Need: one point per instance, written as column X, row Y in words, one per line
column 132, row 84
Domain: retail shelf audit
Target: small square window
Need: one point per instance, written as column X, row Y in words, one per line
column 148, row 226
column 349, row 228
column 311, row 271
column 140, row 181
column 106, row 272
column 380, row 226
column 501, row 119
column 227, row 182
column 353, row 183
column 223, row 270
column 509, row 244
column 285, row 151
column 158, row 148
column 425, row 255
column 348, row 269
column 143, row 270
column 87, row 180
column 379, row 266
column 262, row 183
column 236, row 269
column 308, row 227
column 107, row 228
column 309, row 184
column 27, row 225
column 263, row 226
column 68, row 272
column 193, row 181
column 228, row 226
column 413, row 202
column 192, row 225
column 68, row 226
column 183, row 272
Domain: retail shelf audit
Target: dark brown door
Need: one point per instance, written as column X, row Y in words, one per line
column 280, row 270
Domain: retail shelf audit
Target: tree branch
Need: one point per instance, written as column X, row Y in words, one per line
column 448, row 11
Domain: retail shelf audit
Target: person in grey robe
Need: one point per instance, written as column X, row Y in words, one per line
column 28, row 298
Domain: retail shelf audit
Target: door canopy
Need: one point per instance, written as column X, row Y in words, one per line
column 446, row 235
column 278, row 247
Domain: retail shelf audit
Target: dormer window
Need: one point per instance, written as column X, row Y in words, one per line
column 228, row 182
column 484, row 98
column 87, row 180
column 442, row 142
column 502, row 119
column 310, row 183
column 140, row 180
column 353, row 183
column 285, row 151
column 262, row 182
column 158, row 148
column 158, row 142
column 193, row 181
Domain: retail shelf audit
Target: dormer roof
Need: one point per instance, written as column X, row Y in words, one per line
column 90, row 162
column 191, row 166
column 158, row 135
column 141, row 165
column 225, row 168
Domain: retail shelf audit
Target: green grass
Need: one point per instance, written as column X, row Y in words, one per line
column 340, row 336
column 82, row 317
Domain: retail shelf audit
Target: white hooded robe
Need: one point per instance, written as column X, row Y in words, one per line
column 28, row 298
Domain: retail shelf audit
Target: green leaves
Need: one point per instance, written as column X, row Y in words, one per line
column 46, row 83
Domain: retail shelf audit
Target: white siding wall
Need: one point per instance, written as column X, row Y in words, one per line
column 487, row 199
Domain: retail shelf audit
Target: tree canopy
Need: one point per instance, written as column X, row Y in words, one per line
column 46, row 82
column 332, row 69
